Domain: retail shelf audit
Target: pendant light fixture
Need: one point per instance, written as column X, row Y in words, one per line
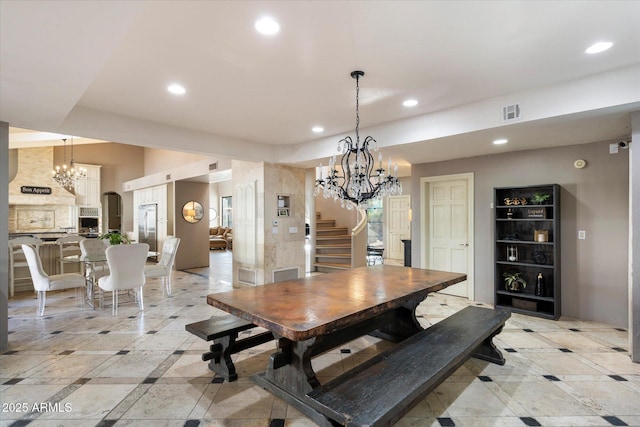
column 358, row 179
column 65, row 176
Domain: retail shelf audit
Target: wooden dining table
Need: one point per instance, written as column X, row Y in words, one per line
column 312, row 315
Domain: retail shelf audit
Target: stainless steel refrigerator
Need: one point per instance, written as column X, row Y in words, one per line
column 148, row 225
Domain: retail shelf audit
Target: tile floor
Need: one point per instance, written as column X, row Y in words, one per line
column 78, row 367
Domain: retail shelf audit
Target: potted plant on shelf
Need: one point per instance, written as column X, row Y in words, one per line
column 539, row 198
column 115, row 238
column 513, row 282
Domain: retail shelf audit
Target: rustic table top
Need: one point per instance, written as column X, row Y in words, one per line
column 304, row 308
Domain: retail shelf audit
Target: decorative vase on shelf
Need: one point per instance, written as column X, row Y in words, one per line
column 540, row 285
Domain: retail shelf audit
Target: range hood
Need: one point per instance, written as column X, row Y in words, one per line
column 34, row 172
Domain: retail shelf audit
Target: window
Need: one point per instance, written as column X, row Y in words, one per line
column 375, row 217
column 227, row 212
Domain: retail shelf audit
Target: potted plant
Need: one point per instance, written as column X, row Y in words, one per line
column 513, row 282
column 539, row 198
column 115, row 238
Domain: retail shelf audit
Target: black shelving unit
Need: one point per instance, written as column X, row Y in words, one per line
column 527, row 241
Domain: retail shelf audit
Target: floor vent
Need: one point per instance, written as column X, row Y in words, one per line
column 511, row 112
column 247, row 276
column 285, row 274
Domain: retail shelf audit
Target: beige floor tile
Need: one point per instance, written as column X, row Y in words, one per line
column 470, row 399
column 91, row 402
column 166, row 402
column 543, row 399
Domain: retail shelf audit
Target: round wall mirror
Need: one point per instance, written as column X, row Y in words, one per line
column 192, row 212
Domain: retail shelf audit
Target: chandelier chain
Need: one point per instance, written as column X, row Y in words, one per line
column 357, row 109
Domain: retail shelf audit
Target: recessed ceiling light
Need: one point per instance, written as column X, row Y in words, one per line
column 500, row 141
column 410, row 103
column 176, row 89
column 317, row 129
column 598, row 47
column 267, row 26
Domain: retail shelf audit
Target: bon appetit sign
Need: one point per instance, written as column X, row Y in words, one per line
column 29, row 189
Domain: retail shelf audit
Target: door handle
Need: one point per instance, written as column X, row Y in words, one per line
column 464, row 244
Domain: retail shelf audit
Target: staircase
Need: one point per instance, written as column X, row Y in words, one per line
column 333, row 246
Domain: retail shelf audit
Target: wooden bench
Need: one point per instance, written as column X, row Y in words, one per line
column 383, row 389
column 223, row 331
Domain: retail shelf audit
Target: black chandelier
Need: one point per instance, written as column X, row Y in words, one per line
column 360, row 181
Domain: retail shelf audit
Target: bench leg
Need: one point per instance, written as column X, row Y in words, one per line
column 220, row 357
column 222, row 348
column 488, row 351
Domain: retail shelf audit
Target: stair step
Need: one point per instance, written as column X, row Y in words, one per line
column 336, row 245
column 334, row 255
column 336, row 231
column 333, row 250
column 332, row 266
column 324, row 223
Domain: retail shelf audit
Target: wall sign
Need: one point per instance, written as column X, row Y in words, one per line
column 30, row 189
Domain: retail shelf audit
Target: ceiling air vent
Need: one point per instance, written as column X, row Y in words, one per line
column 511, row 112
column 213, row 166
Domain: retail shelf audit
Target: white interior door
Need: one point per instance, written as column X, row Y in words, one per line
column 449, row 230
column 398, row 226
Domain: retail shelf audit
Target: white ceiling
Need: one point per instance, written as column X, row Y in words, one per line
column 100, row 70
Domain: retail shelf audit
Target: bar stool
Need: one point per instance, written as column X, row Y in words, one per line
column 17, row 258
column 69, row 245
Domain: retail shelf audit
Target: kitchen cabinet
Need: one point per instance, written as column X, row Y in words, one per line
column 88, row 191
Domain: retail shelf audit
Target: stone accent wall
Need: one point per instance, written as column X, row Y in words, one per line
column 33, row 212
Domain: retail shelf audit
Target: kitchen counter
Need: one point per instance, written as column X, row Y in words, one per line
column 50, row 236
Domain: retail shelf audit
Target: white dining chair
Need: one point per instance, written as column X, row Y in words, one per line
column 43, row 282
column 95, row 263
column 126, row 271
column 17, row 259
column 95, row 248
column 69, row 245
column 164, row 267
